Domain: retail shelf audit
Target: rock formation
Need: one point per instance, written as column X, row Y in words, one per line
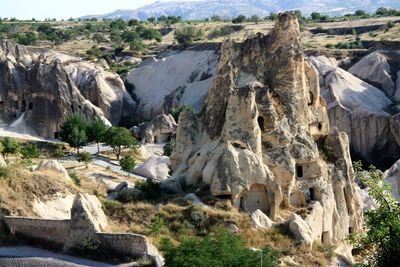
column 361, row 110
column 158, row 130
column 39, row 88
column 176, row 79
column 381, row 69
column 263, row 138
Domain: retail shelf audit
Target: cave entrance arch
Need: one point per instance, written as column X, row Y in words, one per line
column 257, row 198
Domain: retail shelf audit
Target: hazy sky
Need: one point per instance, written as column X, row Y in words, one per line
column 41, row 9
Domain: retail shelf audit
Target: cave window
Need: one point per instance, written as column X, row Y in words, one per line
column 16, row 104
column 23, row 105
column 351, row 230
column 299, row 171
column 73, row 110
column 224, row 197
column 319, row 126
column 260, row 121
column 56, row 135
column 311, row 100
column 30, row 107
column 312, row 194
column 198, row 154
column 54, row 103
column 1, row 105
column 325, row 238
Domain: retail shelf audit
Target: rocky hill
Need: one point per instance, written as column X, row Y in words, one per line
column 263, row 140
column 231, row 8
column 39, row 88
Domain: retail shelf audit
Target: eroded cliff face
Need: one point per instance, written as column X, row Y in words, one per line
column 263, row 138
column 39, row 88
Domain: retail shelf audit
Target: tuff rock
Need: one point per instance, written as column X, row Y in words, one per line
column 263, row 138
column 39, row 88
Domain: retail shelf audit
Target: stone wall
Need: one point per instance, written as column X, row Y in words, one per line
column 55, row 231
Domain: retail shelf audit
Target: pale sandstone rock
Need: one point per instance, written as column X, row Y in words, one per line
column 375, row 69
column 42, row 87
column 392, row 177
column 177, row 79
column 260, row 220
column 159, row 130
column 156, row 168
column 300, row 229
column 53, row 165
column 255, row 141
column 194, row 199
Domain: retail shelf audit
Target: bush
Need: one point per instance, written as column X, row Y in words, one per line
column 239, row 19
column 169, row 147
column 4, row 172
column 127, row 163
column 8, row 146
column 188, row 35
column 120, row 138
column 175, row 112
column 30, row 151
column 84, row 157
column 218, row 250
column 197, row 217
column 75, row 178
column 157, row 223
column 149, row 190
column 381, row 241
column 58, row 152
column 73, row 131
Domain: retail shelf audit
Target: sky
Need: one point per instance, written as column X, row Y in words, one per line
column 64, row 9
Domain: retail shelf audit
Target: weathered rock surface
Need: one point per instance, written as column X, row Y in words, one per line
column 53, row 165
column 260, row 220
column 360, row 110
column 263, row 137
column 392, row 177
column 156, row 168
column 158, row 130
column 178, row 78
column 39, row 88
column 375, row 69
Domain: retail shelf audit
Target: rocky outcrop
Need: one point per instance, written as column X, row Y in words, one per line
column 176, row 79
column 361, row 110
column 260, row 220
column 380, row 68
column 158, row 130
column 39, row 88
column 53, row 165
column 263, row 138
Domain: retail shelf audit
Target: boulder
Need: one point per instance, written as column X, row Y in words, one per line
column 233, row 228
column 300, row 229
column 179, row 78
column 155, row 168
column 121, row 186
column 260, row 220
column 194, row 199
column 53, row 165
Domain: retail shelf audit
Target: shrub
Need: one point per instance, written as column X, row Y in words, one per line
column 84, row 157
column 239, row 19
column 169, row 147
column 175, row 112
column 150, row 190
column 58, row 152
column 381, row 241
column 197, row 217
column 157, row 223
column 30, row 151
column 9, row 146
column 4, row 172
column 218, row 250
column 75, row 178
column 188, row 35
column 127, row 163
column 96, row 132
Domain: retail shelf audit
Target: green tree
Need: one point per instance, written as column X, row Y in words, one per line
column 256, row 19
column 176, row 111
column 218, row 250
column 127, row 163
column 30, row 151
column 188, row 35
column 10, row 146
column 150, row 34
column 151, row 19
column 118, row 24
column 119, row 139
column 73, row 131
column 239, row 19
column 133, row 22
column 316, row 16
column 381, row 241
column 96, row 132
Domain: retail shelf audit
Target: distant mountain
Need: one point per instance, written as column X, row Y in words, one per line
column 201, row 9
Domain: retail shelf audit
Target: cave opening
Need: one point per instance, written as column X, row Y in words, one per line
column 260, row 121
